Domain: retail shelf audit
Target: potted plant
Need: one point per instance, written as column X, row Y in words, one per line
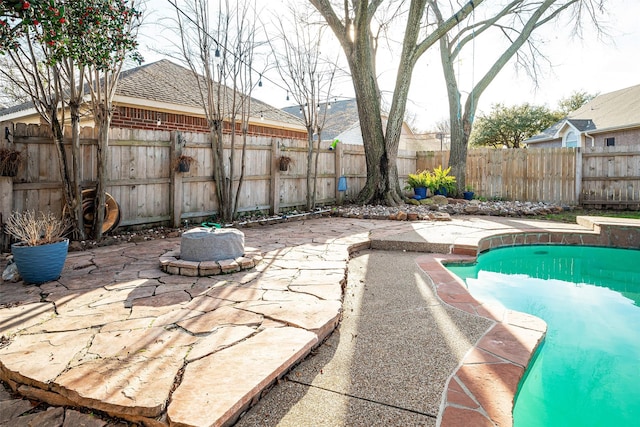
column 183, row 163
column 443, row 183
column 284, row 162
column 419, row 182
column 9, row 161
column 41, row 249
column 468, row 193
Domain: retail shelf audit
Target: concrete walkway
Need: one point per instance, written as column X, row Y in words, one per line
column 116, row 334
column 389, row 360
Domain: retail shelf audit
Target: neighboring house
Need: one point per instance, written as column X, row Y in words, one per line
column 611, row 119
column 165, row 96
column 343, row 123
column 341, row 115
column 353, row 135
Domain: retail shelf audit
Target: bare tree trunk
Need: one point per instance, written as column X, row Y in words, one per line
column 76, row 205
column 63, row 166
column 217, row 145
column 315, row 171
column 243, row 166
column 103, row 159
column 310, row 187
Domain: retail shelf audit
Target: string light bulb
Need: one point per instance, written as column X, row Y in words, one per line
column 217, row 51
column 260, row 81
column 287, row 95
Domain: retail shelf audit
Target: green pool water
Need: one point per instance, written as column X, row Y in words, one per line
column 587, row 372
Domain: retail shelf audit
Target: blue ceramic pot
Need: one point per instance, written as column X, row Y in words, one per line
column 39, row 264
column 420, row 192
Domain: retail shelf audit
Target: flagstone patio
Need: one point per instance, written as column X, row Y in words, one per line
column 118, row 335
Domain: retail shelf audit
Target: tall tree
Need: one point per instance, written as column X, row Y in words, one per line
column 33, row 36
column 516, row 21
column 508, row 127
column 308, row 77
column 574, row 101
column 105, row 36
column 354, row 25
column 219, row 50
column 52, row 44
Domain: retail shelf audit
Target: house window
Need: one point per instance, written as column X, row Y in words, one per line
column 610, row 141
column 571, row 139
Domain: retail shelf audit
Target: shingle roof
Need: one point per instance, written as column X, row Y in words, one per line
column 611, row 110
column 166, row 82
column 341, row 116
column 582, row 125
column 617, row 109
column 16, row 108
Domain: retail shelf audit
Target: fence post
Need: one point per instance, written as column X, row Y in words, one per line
column 338, row 153
column 175, row 178
column 578, row 175
column 274, row 194
column 6, row 206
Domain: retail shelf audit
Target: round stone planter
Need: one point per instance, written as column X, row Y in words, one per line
column 39, row 264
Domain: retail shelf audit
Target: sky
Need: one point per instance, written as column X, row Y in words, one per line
column 590, row 64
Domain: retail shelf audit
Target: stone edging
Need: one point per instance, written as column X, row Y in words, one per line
column 171, row 263
column 482, row 389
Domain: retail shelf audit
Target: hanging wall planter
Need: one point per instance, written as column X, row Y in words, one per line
column 284, row 163
column 9, row 161
column 183, row 163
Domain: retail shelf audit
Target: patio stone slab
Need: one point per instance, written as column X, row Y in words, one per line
column 13, row 408
column 48, row 356
column 211, row 396
column 219, row 339
column 14, row 319
column 317, row 316
column 137, row 387
column 221, row 317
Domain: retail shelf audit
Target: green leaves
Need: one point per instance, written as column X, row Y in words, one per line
column 92, row 32
column 510, row 126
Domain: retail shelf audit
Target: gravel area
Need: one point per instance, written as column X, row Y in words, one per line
column 440, row 207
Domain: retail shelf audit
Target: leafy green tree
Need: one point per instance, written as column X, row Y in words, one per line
column 57, row 46
column 514, row 23
column 574, row 101
column 509, row 126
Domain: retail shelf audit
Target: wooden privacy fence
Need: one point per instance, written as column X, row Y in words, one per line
column 144, row 182
column 143, row 179
column 611, row 177
column 547, row 175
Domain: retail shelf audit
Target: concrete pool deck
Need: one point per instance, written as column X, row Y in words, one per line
column 118, row 335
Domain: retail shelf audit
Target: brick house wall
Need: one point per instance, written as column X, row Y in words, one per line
column 139, row 118
column 628, row 137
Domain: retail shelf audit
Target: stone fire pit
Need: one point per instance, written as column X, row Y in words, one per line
column 209, row 252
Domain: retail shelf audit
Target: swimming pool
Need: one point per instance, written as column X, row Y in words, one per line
column 587, row 372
